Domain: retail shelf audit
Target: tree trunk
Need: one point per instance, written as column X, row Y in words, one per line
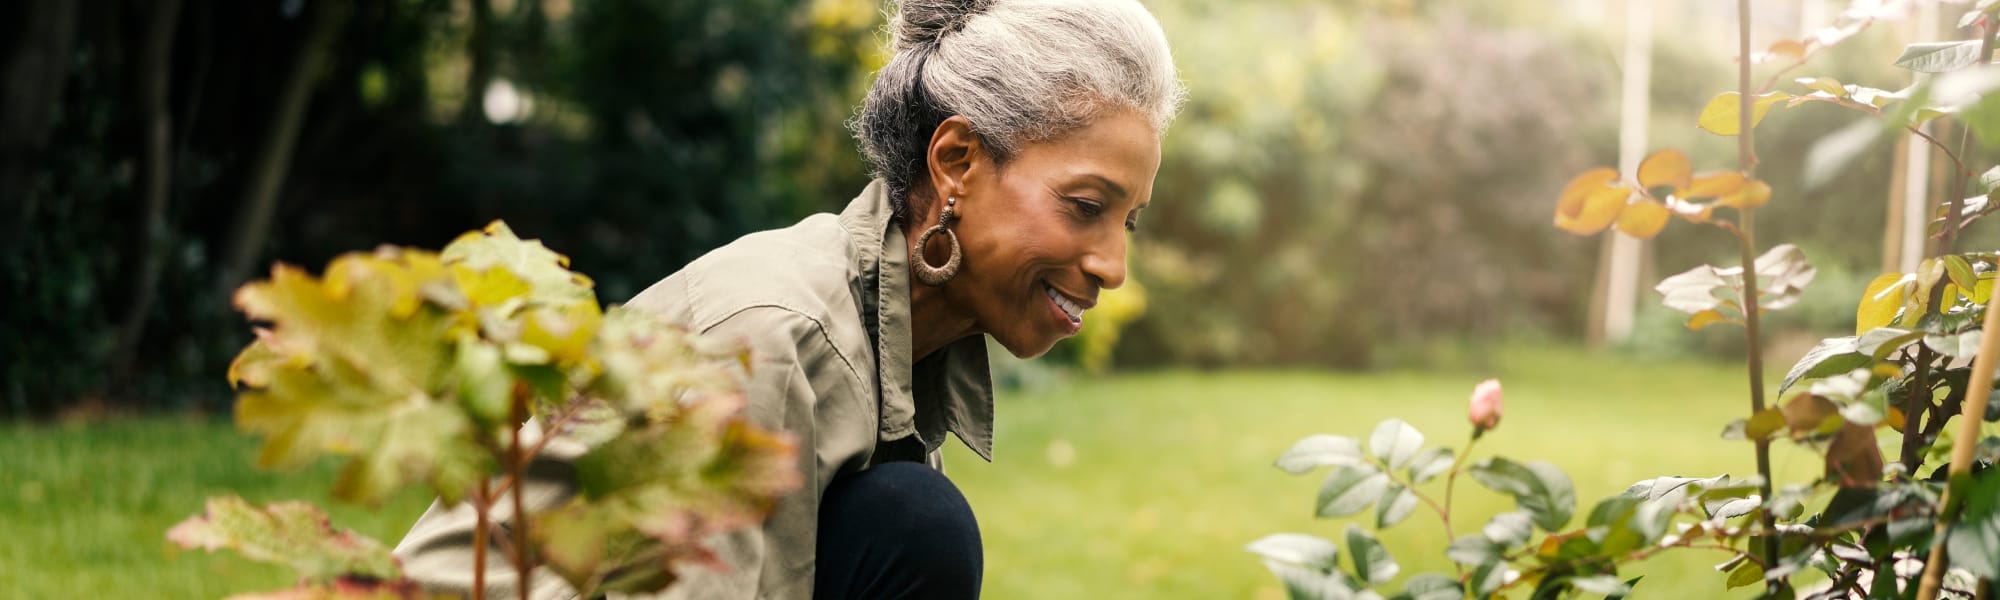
column 153, row 239
column 33, row 74
column 480, row 47
column 274, row 156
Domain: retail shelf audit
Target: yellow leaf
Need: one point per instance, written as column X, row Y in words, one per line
column 1788, row 48
column 1764, row 423
column 1829, row 85
column 1753, row 194
column 1580, row 187
column 1983, row 291
column 1704, row 319
column 1667, row 167
column 1894, row 419
column 1715, row 184
column 1595, row 208
column 1643, row 219
column 1723, row 114
column 1879, row 302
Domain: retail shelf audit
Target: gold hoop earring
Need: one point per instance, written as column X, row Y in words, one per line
column 938, row 276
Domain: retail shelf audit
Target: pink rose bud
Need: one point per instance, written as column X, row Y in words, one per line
column 1485, row 409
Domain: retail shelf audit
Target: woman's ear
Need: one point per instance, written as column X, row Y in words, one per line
column 953, row 152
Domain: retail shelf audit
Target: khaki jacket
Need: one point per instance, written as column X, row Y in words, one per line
column 824, row 306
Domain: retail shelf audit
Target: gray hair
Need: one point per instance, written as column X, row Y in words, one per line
column 1019, row 70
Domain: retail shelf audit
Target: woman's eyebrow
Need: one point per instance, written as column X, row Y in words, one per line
column 1108, row 184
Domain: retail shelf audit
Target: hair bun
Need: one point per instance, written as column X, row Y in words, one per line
column 924, row 22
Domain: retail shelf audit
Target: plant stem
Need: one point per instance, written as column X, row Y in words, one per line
column 516, row 466
column 480, row 504
column 1972, row 416
column 1746, row 161
column 1957, row 199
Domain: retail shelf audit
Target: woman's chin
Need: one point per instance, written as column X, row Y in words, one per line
column 1028, row 348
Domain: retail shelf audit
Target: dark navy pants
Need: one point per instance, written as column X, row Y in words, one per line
column 899, row 530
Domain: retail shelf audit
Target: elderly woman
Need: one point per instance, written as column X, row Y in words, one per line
column 1015, row 144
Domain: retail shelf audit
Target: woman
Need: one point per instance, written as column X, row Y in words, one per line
column 1014, row 143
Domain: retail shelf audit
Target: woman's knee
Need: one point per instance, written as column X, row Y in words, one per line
column 909, row 517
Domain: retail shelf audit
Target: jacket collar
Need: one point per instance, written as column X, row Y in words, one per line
column 950, row 390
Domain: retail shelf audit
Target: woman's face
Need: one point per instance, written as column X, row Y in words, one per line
column 1043, row 234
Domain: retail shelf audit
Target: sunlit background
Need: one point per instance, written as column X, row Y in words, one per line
column 1352, row 222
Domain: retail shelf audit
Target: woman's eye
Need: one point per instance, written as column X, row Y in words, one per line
column 1089, row 208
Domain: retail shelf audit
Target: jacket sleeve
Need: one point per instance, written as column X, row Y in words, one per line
column 793, row 366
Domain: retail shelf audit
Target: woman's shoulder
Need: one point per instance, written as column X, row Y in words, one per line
column 808, row 269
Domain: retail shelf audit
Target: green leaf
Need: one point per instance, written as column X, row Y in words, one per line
column 359, row 363
column 1608, row 585
column 1432, row 586
column 1297, row 548
column 1509, row 529
column 1723, row 114
column 1349, row 489
column 1831, row 356
column 1395, row 442
column 1538, row 487
column 1307, row 584
column 1488, row 577
column 1429, row 464
column 295, row 535
column 1610, row 526
column 1394, row 506
column 1745, row 573
column 546, row 272
column 1369, row 560
column 1320, row 450
column 1973, row 543
column 1473, row 550
column 1939, row 57
column 1880, row 342
column 1629, row 584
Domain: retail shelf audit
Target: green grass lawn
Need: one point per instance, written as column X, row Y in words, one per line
column 1136, row 486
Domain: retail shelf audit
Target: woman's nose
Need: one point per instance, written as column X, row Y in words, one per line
column 1106, row 263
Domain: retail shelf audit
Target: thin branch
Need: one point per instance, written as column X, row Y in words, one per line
column 480, row 502
column 516, row 468
column 1746, row 161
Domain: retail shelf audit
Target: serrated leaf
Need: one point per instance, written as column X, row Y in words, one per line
column 1368, row 559
column 1723, row 114
column 546, row 272
column 1320, row 450
column 1297, row 548
column 1429, row 464
column 367, row 372
column 1939, row 57
column 1395, row 443
column 1349, row 489
column 664, row 489
column 295, row 535
column 1394, row 506
column 1830, row 356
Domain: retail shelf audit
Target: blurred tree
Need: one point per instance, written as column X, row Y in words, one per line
column 143, row 151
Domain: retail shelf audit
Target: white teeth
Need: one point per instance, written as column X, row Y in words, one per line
column 1069, row 308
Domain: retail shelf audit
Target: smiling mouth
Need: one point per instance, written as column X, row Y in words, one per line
column 1069, row 307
